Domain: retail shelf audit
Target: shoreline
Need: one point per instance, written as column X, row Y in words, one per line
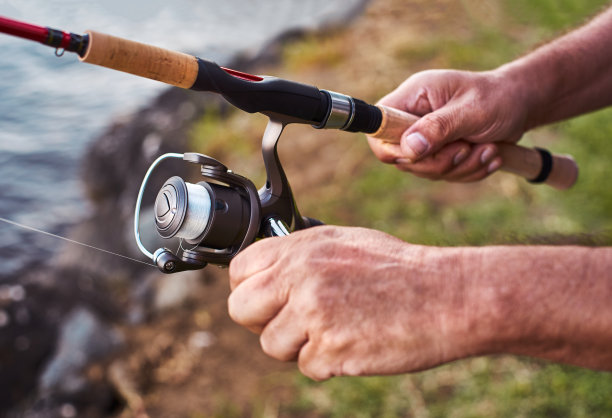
column 81, row 287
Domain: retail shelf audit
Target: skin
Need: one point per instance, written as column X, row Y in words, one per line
column 361, row 302
column 352, row 301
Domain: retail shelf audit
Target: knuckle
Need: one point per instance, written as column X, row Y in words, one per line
column 437, row 165
column 471, row 166
column 269, row 345
column 233, row 308
column 439, row 125
column 317, row 373
column 334, row 342
column 351, row 368
column 235, row 271
column 444, row 167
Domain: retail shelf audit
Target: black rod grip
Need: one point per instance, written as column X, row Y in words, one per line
column 367, row 118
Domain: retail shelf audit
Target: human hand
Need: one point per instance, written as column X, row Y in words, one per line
column 351, row 301
column 463, row 115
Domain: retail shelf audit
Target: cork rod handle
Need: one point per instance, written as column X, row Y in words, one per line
column 144, row 60
column 522, row 161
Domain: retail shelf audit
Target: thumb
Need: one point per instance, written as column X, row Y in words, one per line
column 432, row 132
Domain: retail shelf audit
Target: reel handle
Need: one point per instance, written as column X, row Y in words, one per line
column 311, row 222
column 530, row 163
column 274, row 227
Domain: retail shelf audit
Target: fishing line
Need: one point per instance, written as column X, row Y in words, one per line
column 30, row 228
column 197, row 213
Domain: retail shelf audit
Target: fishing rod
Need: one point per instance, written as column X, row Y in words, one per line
column 283, row 99
column 221, row 215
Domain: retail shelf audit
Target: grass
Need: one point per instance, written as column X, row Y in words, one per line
column 553, row 15
column 502, row 209
column 590, row 203
column 491, row 387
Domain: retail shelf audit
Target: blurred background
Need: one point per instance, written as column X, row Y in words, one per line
column 83, row 333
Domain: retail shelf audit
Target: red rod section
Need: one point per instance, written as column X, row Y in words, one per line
column 241, row 75
column 24, row 30
column 54, row 38
column 65, row 40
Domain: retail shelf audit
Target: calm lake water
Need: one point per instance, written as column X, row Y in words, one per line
column 51, row 108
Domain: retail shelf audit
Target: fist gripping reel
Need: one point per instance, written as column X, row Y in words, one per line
column 221, row 215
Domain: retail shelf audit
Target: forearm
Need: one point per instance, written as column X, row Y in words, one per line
column 568, row 76
column 547, row 302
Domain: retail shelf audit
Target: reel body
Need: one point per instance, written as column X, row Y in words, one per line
column 221, row 215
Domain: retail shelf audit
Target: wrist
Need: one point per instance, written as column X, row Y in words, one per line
column 489, row 301
column 465, row 324
column 536, row 301
column 528, row 91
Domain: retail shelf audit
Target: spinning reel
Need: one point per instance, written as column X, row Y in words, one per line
column 224, row 213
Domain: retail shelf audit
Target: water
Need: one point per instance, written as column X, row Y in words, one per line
column 50, row 108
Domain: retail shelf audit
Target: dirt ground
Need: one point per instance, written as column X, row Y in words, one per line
column 194, row 361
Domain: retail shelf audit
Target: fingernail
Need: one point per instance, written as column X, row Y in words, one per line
column 417, row 143
column 495, row 164
column 486, row 155
column 403, row 161
column 460, row 156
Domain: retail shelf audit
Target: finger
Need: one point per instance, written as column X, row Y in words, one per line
column 312, row 364
column 396, row 98
column 485, row 171
column 257, row 257
column 480, row 157
column 385, row 151
column 438, row 164
column 256, row 301
column 320, row 364
column 434, row 130
column 410, row 97
column 282, row 338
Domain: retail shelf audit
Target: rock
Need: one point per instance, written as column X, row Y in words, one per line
column 83, row 339
column 175, row 290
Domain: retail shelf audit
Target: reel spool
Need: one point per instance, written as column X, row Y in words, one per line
column 202, row 212
column 216, row 217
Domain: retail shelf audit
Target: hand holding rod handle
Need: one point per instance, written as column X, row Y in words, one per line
column 526, row 162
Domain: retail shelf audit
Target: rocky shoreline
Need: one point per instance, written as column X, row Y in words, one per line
column 66, row 320
column 66, row 314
